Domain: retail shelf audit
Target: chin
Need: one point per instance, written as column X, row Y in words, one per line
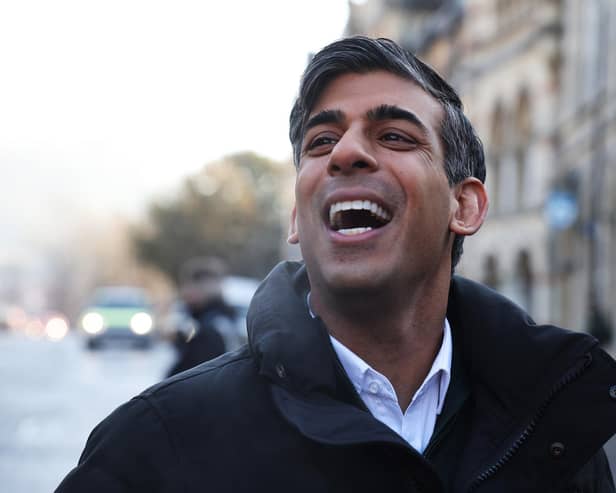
column 353, row 280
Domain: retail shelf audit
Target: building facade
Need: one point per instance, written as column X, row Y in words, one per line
column 537, row 80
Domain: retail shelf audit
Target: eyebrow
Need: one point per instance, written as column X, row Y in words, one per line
column 380, row 113
column 324, row 117
column 392, row 112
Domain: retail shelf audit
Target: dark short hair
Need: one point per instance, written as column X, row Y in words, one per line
column 199, row 269
column 464, row 156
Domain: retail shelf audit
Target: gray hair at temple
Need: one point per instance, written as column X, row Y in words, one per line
column 464, row 155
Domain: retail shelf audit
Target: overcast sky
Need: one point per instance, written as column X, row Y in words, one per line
column 104, row 104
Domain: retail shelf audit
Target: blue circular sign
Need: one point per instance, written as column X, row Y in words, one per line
column 561, row 210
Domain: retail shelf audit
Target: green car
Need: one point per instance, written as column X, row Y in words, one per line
column 118, row 314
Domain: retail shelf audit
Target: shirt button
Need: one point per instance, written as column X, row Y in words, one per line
column 557, row 449
column 373, row 388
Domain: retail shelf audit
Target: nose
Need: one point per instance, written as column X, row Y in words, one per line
column 351, row 155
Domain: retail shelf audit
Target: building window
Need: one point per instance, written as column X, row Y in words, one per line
column 522, row 138
column 497, row 148
column 491, row 275
column 524, row 281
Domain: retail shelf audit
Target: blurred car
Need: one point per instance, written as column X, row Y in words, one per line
column 49, row 324
column 56, row 327
column 118, row 314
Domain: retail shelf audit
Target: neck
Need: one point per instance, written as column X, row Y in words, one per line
column 398, row 335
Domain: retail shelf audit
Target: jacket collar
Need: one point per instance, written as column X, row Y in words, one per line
column 293, row 349
column 505, row 351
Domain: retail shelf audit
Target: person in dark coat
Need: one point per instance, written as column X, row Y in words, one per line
column 210, row 318
column 370, row 367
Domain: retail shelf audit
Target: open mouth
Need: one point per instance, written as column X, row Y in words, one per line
column 353, row 217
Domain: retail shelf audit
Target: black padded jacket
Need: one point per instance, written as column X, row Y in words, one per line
column 528, row 410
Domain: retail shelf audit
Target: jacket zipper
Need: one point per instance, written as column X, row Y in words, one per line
column 434, row 444
column 572, row 375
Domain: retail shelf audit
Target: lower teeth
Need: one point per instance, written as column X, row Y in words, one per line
column 353, row 231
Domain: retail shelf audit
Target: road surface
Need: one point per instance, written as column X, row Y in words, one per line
column 51, row 396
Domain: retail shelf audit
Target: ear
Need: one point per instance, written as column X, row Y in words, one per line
column 470, row 204
column 293, row 238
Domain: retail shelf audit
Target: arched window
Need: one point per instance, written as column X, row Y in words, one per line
column 491, row 275
column 497, row 148
column 523, row 116
column 524, row 280
column 523, row 134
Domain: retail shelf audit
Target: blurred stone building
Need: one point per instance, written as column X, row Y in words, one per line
column 538, row 80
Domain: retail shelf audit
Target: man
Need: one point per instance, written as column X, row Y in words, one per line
column 369, row 368
column 203, row 338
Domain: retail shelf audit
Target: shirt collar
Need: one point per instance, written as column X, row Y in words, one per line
column 441, row 366
column 356, row 367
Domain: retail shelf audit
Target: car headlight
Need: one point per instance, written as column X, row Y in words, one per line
column 141, row 323
column 93, row 323
column 56, row 328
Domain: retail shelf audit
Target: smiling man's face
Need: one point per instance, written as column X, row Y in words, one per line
column 373, row 204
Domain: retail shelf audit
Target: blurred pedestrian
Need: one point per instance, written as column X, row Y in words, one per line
column 370, row 367
column 211, row 319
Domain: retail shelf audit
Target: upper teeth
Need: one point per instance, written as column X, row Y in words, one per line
column 375, row 209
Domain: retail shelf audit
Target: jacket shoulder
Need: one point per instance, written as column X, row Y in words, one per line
column 121, row 451
column 144, row 443
column 219, row 396
column 213, row 379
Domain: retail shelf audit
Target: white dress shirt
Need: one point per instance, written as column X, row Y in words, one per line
column 416, row 424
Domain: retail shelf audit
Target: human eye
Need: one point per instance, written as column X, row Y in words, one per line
column 397, row 140
column 321, row 144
